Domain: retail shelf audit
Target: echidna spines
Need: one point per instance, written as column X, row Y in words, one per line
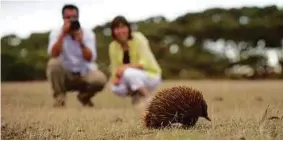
column 177, row 104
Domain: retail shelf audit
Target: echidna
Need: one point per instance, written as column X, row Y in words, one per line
column 178, row 104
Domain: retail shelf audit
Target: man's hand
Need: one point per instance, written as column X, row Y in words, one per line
column 57, row 47
column 66, row 28
column 79, row 36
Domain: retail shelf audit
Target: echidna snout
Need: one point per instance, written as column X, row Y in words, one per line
column 206, row 117
column 204, row 112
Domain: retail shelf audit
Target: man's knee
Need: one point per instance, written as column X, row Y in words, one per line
column 97, row 80
column 97, row 86
column 55, row 75
column 54, row 66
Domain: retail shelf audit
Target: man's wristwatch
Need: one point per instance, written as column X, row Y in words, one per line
column 82, row 45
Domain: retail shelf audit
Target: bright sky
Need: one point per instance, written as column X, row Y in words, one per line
column 25, row 17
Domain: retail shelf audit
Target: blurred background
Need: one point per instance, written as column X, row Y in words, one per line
column 196, row 39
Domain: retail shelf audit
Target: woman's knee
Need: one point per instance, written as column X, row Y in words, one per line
column 119, row 90
column 131, row 73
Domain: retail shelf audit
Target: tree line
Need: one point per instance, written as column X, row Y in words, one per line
column 178, row 45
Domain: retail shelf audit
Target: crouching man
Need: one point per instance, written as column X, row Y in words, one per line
column 72, row 64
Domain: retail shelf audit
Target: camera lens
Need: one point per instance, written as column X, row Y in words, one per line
column 75, row 25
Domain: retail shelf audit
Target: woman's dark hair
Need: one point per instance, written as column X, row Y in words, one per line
column 117, row 21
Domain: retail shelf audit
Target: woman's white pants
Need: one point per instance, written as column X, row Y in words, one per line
column 133, row 79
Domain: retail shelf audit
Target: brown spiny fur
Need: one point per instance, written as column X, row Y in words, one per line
column 178, row 104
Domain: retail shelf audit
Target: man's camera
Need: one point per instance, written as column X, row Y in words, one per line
column 75, row 25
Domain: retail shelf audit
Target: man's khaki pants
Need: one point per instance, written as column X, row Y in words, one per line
column 63, row 81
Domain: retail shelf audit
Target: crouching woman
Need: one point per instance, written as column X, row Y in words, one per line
column 135, row 71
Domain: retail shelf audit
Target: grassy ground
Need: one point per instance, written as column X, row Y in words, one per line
column 237, row 109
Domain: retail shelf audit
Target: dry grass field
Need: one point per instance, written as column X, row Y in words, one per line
column 238, row 110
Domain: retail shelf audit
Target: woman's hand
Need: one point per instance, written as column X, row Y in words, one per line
column 121, row 70
column 116, row 81
column 119, row 74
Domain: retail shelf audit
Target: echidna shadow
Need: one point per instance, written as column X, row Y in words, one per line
column 178, row 104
